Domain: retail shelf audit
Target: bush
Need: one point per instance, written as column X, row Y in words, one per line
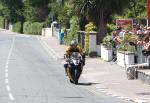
column 107, row 41
column 26, row 27
column 126, row 41
column 110, row 28
column 1, row 22
column 33, row 28
column 37, row 28
column 17, row 27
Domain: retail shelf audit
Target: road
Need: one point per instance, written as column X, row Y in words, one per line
column 28, row 74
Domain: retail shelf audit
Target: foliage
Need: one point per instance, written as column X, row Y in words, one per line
column 35, row 10
column 107, row 41
column 66, row 38
column 63, row 13
column 125, row 42
column 26, row 28
column 17, row 27
column 100, row 12
column 33, row 28
column 12, row 10
column 137, row 9
column 110, row 28
column 1, row 22
column 88, row 28
column 94, row 9
column 72, row 34
column 37, row 28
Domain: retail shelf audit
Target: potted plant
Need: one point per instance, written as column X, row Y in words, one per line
column 126, row 50
column 106, row 48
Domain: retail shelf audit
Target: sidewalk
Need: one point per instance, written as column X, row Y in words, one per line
column 110, row 78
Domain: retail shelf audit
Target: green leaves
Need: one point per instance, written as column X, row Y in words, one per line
column 107, row 41
column 11, row 9
column 124, row 44
column 137, row 9
column 35, row 10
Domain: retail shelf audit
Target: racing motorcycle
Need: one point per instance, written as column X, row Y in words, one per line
column 74, row 67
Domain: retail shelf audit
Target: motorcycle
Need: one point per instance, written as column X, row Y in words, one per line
column 74, row 67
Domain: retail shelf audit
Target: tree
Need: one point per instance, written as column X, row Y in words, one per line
column 100, row 12
column 12, row 10
column 137, row 9
column 36, row 10
column 62, row 11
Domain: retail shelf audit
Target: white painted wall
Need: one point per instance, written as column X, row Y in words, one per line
column 46, row 32
column 92, row 43
column 106, row 54
column 123, row 60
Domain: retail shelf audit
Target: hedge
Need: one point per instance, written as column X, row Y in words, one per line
column 32, row 28
column 17, row 27
column 1, row 22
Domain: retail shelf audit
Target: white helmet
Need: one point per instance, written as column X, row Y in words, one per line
column 73, row 43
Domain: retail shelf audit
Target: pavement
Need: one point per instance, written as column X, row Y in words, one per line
column 109, row 78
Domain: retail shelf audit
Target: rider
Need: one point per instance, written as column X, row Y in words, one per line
column 74, row 48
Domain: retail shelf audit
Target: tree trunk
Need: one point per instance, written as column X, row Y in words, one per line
column 101, row 28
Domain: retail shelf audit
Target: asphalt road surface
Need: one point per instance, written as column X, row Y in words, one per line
column 28, row 74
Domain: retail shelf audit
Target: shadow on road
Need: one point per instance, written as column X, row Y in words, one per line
column 144, row 93
column 87, row 84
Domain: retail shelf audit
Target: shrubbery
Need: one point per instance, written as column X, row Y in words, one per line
column 72, row 32
column 17, row 27
column 32, row 28
column 26, row 28
column 1, row 22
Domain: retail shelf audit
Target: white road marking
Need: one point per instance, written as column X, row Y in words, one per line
column 48, row 50
column 6, row 66
column 115, row 95
column 10, row 52
column 6, row 75
column 97, row 73
column 6, row 70
column 8, row 88
column 120, row 97
column 109, row 93
column 140, row 101
column 11, row 97
column 127, row 99
column 6, row 81
column 7, row 62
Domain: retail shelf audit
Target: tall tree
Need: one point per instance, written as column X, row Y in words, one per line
column 12, row 10
column 137, row 9
column 62, row 11
column 36, row 10
column 100, row 12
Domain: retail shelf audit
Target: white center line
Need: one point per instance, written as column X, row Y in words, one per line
column 6, row 70
column 6, row 75
column 7, row 62
column 6, row 66
column 11, row 97
column 8, row 88
column 6, row 81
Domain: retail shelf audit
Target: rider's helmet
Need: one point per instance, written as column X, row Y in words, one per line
column 73, row 44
